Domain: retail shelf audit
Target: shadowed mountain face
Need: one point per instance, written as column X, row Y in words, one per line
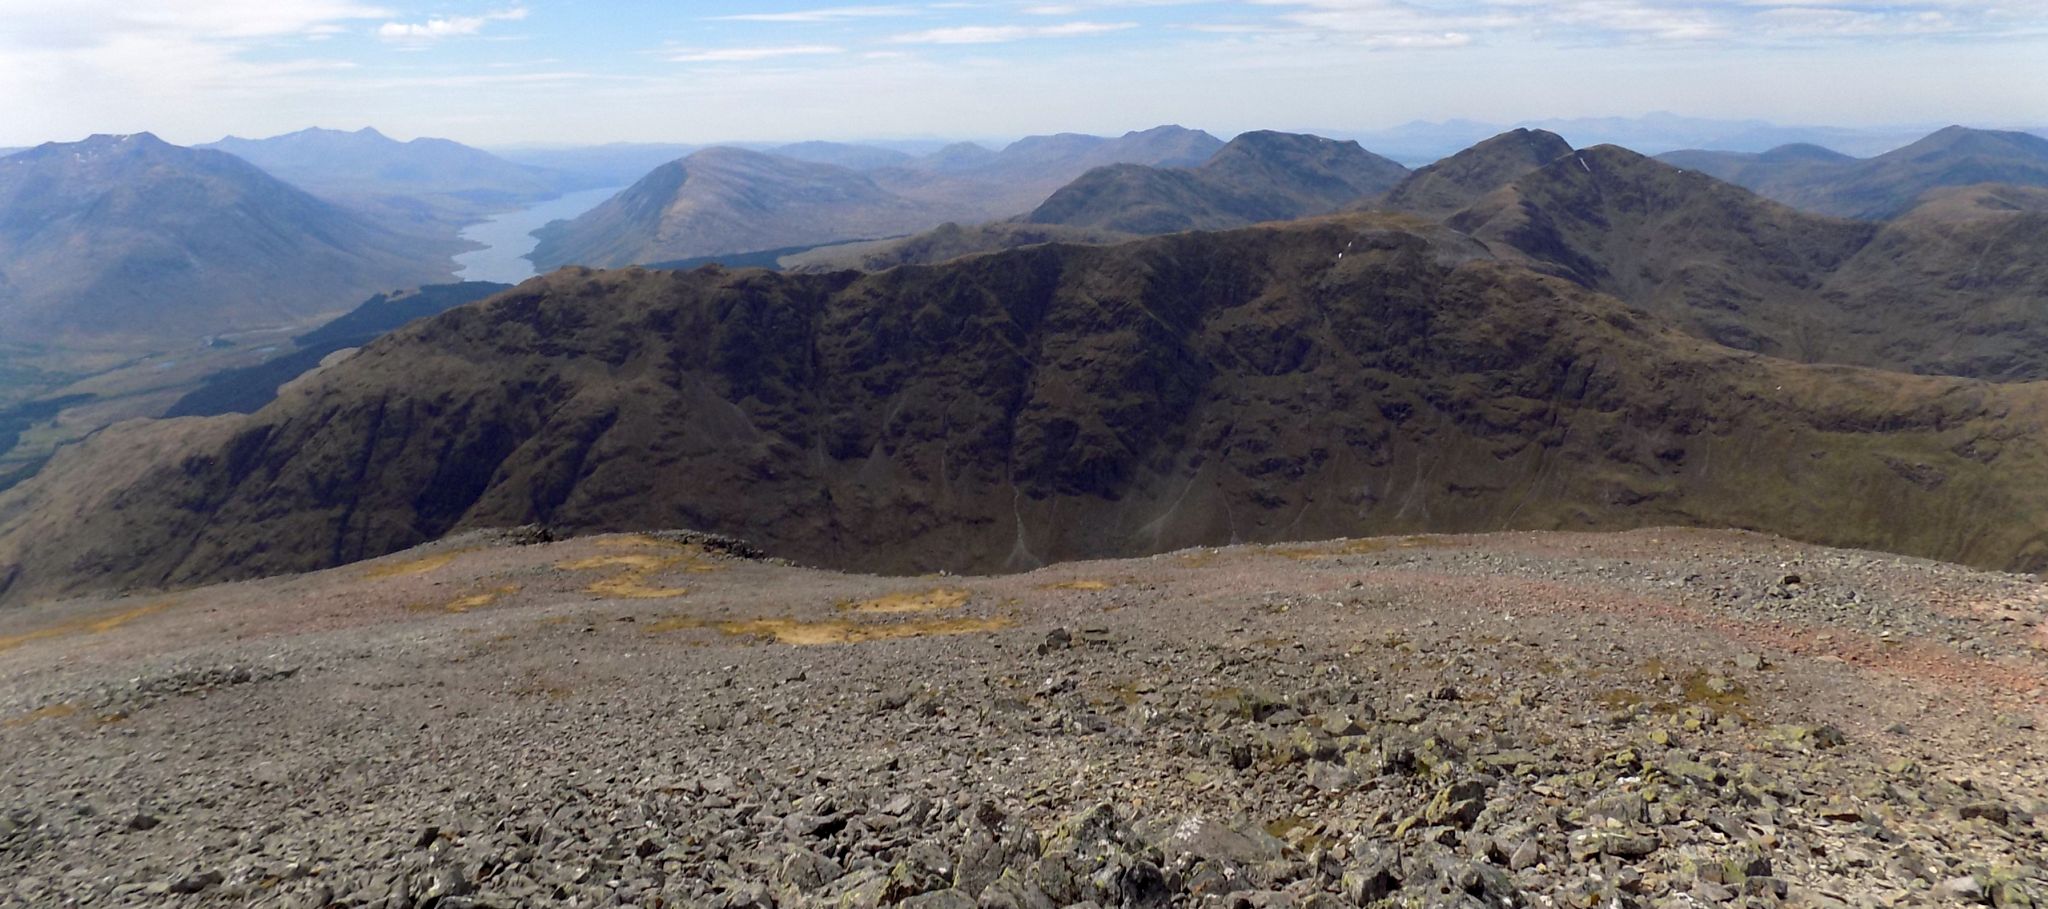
column 725, row 200
column 1444, row 188
column 126, row 238
column 1886, row 186
column 1259, row 176
column 1042, row 404
column 1955, row 293
column 246, row 389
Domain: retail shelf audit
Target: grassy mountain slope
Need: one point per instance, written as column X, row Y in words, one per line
column 1042, row 404
column 122, row 239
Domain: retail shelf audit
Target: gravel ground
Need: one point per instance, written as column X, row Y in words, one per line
column 1658, row 718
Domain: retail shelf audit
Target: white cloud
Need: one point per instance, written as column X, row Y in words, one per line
column 46, row 25
column 749, row 54
column 826, row 14
column 998, row 34
column 440, row 27
column 1711, row 22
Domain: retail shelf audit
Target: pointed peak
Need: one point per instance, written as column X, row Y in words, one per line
column 115, row 142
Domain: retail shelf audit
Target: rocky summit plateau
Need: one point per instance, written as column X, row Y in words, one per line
column 1657, row 718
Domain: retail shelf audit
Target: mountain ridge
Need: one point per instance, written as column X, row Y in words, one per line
column 1755, row 274
column 1046, row 404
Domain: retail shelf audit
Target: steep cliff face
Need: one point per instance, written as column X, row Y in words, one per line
column 1041, row 404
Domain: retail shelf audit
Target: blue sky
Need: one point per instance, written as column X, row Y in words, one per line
column 560, row 72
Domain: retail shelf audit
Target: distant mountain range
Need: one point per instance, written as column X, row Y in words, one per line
column 970, row 182
column 1421, row 142
column 1258, row 176
column 424, row 185
column 1818, row 179
column 729, row 200
column 128, row 239
column 851, row 157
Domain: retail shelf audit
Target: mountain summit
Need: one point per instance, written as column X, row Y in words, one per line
column 1441, row 189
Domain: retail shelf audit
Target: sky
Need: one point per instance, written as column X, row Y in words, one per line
column 564, row 72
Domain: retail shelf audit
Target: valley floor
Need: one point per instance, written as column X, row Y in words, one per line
column 1656, row 718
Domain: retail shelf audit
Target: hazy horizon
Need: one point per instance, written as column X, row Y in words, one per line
column 549, row 73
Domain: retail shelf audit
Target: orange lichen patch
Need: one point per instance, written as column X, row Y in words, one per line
column 1341, row 548
column 468, row 602
column 812, row 633
column 633, row 587
column 52, row 712
column 628, row 562
column 688, row 557
column 1082, row 584
column 99, row 625
column 637, row 568
column 933, row 600
column 410, row 567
